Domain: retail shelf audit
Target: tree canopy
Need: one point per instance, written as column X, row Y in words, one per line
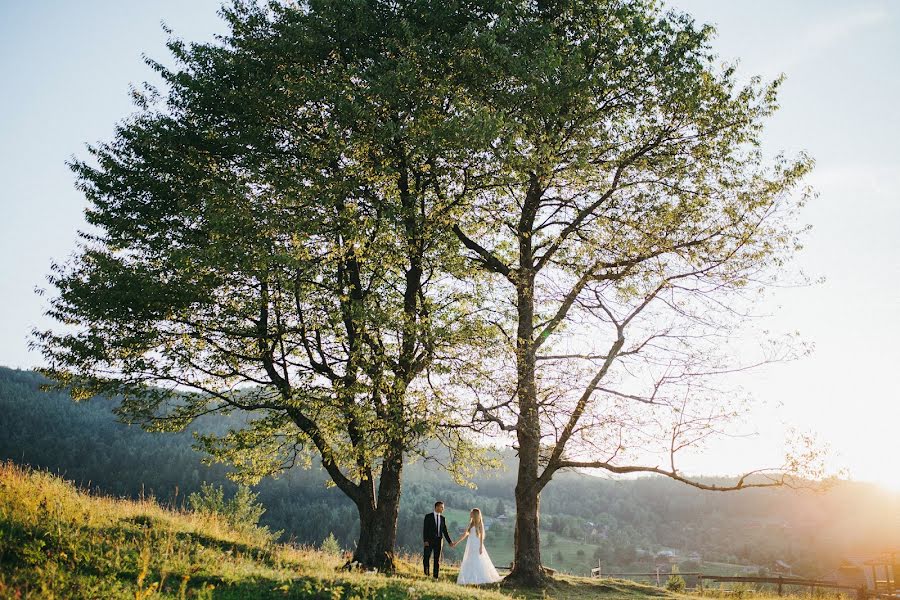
column 631, row 216
column 269, row 235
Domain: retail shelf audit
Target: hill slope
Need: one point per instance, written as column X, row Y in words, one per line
column 584, row 519
column 59, row 542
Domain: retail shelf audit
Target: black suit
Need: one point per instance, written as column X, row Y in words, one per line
column 433, row 535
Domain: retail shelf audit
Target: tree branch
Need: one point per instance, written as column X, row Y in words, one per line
column 485, row 256
column 783, row 480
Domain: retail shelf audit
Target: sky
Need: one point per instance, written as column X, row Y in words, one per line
column 65, row 71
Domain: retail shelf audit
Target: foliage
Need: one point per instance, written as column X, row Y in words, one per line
column 643, row 207
column 330, row 545
column 269, row 235
column 675, row 582
column 631, row 217
column 241, row 511
column 210, row 500
column 279, row 233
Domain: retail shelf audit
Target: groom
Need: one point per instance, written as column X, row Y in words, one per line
column 433, row 532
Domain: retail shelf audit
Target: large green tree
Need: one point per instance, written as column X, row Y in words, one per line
column 270, row 235
column 631, row 214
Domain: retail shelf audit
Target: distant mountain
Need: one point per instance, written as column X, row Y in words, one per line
column 629, row 524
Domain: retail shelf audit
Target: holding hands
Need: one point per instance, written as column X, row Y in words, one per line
column 465, row 535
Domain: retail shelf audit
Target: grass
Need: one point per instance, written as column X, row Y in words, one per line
column 58, row 542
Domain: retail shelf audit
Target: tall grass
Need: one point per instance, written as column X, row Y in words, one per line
column 59, row 542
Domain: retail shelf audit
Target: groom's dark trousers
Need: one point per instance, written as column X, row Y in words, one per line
column 434, row 530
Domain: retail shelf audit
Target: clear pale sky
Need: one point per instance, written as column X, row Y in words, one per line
column 65, row 68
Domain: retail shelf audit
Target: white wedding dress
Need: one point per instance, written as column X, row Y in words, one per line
column 476, row 568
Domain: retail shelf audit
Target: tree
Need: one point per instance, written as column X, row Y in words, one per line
column 268, row 238
column 330, row 545
column 631, row 215
column 675, row 582
column 242, row 511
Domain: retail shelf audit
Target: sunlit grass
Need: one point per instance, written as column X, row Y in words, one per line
column 57, row 542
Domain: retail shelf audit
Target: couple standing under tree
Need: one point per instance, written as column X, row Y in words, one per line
column 476, row 567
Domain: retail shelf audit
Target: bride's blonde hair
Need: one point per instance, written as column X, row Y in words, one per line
column 475, row 521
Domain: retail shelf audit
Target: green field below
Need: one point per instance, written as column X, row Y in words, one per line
column 558, row 552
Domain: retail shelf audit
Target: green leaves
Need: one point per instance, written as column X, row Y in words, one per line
column 628, row 216
column 272, row 236
column 241, row 511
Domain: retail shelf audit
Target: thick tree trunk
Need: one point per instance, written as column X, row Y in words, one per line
column 379, row 517
column 527, row 569
column 375, row 548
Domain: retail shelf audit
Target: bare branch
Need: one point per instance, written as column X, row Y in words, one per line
column 781, row 480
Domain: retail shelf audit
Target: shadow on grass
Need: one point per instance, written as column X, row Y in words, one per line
column 158, row 528
column 400, row 588
column 571, row 588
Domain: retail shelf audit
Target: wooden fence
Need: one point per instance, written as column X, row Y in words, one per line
column 780, row 582
column 862, row 593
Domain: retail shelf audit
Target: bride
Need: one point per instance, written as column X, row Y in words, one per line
column 476, row 566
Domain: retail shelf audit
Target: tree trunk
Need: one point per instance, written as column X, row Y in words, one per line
column 378, row 519
column 527, row 569
column 375, row 548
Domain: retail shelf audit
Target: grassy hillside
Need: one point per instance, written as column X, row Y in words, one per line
column 59, row 542
column 622, row 524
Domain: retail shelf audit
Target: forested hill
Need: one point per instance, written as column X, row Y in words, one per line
column 623, row 524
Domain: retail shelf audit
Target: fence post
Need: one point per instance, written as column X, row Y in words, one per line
column 700, row 582
column 780, row 579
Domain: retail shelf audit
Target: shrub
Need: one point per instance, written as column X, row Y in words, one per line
column 330, row 545
column 242, row 511
column 210, row 500
column 675, row 582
